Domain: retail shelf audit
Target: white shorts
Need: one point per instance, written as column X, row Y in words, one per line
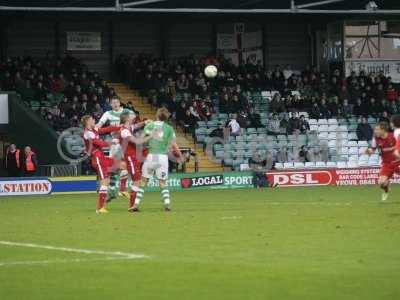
column 155, row 164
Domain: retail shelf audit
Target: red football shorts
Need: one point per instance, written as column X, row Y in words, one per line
column 103, row 166
column 389, row 169
column 134, row 167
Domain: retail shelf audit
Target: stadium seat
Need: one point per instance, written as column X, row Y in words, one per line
column 322, row 122
column 298, row 165
column 312, row 122
column 331, row 164
column 309, row 165
column 352, row 164
column 288, row 165
column 332, row 121
column 320, row 164
column 279, row 166
column 341, row 165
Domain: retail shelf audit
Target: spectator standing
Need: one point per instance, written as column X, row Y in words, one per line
column 29, row 162
column 364, row 130
column 13, row 161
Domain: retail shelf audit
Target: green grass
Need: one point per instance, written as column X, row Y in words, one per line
column 306, row 243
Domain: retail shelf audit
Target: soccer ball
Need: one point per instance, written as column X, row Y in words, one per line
column 211, row 71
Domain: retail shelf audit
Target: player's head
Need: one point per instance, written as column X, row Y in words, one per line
column 395, row 121
column 162, row 114
column 381, row 129
column 88, row 121
column 115, row 103
column 126, row 118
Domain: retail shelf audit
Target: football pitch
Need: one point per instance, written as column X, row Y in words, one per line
column 293, row 243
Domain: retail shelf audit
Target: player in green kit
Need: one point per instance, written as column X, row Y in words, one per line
column 162, row 139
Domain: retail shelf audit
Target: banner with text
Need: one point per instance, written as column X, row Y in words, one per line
column 198, row 181
column 83, row 41
column 336, row 177
column 25, row 186
column 390, row 68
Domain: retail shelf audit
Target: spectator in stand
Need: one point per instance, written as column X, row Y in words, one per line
column 233, row 126
column 364, row 130
column 277, row 105
column 359, row 109
column 304, row 125
column 29, row 162
column 274, row 125
column 346, row 109
column 334, row 107
column 315, row 112
column 13, row 161
column 188, row 122
column 294, row 124
column 243, row 119
column 392, row 93
column 324, row 109
column 384, row 117
column 303, row 154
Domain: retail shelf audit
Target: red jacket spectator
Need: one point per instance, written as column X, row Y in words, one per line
column 29, row 162
column 391, row 94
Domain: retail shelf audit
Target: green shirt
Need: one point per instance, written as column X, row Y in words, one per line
column 113, row 117
column 162, row 135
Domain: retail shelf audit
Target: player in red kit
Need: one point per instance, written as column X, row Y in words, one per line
column 396, row 126
column 133, row 150
column 385, row 142
column 94, row 148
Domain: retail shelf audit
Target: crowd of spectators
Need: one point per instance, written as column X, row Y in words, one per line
column 40, row 80
column 181, row 86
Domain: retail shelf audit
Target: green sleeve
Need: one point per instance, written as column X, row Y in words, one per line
column 171, row 135
column 148, row 128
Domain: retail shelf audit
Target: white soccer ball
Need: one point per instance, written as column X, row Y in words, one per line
column 211, row 71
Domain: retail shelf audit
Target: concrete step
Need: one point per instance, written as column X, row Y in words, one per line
column 146, row 111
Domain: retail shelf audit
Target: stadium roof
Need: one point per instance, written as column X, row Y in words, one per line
column 209, row 6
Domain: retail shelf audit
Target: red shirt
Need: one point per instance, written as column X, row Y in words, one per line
column 128, row 147
column 93, row 143
column 387, row 147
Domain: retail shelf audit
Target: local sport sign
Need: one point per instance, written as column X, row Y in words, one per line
column 336, row 177
column 192, row 181
column 25, row 186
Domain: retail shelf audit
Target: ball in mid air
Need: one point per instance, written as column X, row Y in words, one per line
column 211, row 71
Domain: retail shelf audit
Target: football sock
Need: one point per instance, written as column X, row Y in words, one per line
column 102, row 197
column 113, row 188
column 385, row 189
column 123, row 181
column 139, row 196
column 165, row 196
column 132, row 199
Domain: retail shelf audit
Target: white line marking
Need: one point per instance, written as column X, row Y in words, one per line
column 46, row 262
column 74, row 250
column 231, row 218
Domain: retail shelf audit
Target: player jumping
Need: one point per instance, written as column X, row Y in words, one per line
column 133, row 154
column 112, row 117
column 385, row 142
column 103, row 165
column 396, row 126
column 162, row 138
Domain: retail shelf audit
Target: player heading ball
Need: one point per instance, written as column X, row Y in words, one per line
column 162, row 139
